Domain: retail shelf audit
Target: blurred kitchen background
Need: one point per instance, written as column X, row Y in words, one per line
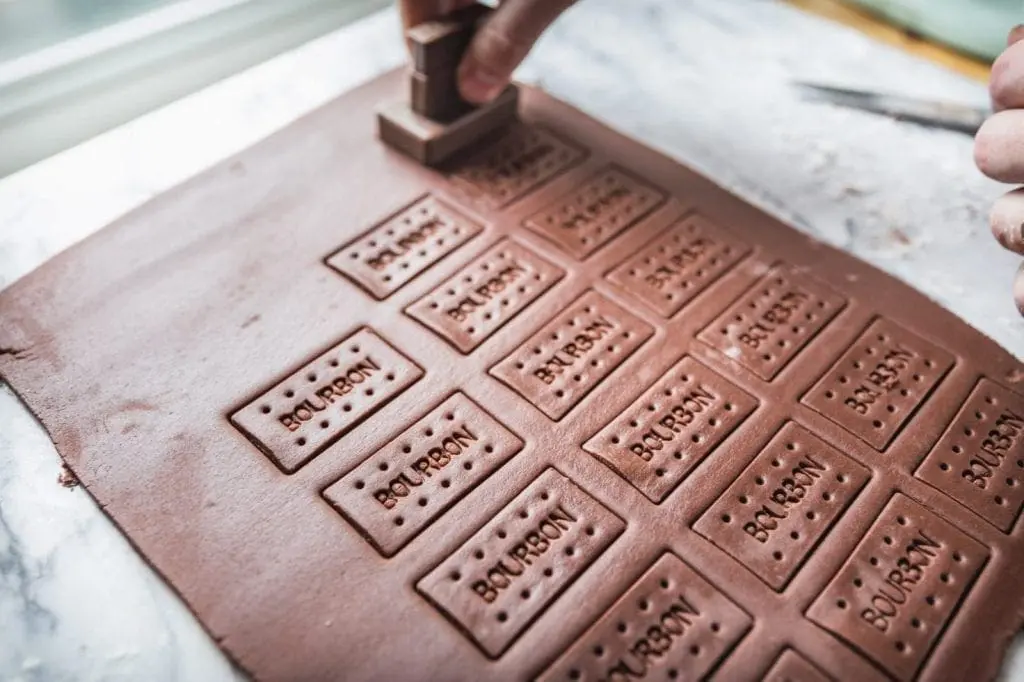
column 71, row 69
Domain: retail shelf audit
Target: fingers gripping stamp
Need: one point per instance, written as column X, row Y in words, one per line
column 436, row 122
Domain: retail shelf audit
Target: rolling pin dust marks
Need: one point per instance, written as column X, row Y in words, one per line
column 403, row 246
column 570, row 355
column 879, row 382
column 518, row 563
column 666, row 432
column 901, row 586
column 409, row 482
column 597, row 211
column 523, row 159
column 304, row 413
column 787, row 499
column 769, row 326
column 484, row 295
column 671, row 624
column 679, row 264
column 979, row 461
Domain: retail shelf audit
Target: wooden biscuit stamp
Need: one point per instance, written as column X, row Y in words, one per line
column 436, row 123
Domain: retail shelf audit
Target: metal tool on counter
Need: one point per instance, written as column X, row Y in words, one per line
column 947, row 115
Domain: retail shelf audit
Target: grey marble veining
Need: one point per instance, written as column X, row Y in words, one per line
column 705, row 81
column 709, row 83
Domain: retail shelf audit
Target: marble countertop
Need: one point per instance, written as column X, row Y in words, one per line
column 705, row 81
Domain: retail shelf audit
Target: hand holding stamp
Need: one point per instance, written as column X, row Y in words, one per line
column 437, row 122
column 999, row 150
column 490, row 56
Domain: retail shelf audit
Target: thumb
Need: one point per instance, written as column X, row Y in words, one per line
column 502, row 43
column 1016, row 35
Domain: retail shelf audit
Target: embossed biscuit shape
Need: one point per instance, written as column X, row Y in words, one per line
column 298, row 417
column 666, row 432
column 792, row 667
column 879, row 382
column 767, row 327
column 896, row 592
column 671, row 610
column 523, row 159
column 678, row 264
column 511, row 569
column 401, row 247
column 787, row 499
column 480, row 298
column 979, row 461
column 606, row 204
column 407, row 484
column 572, row 353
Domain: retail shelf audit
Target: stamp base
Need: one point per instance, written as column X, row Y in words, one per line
column 431, row 142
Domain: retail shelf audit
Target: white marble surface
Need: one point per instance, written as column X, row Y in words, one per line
column 702, row 80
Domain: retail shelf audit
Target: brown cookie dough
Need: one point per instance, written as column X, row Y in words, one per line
column 562, row 409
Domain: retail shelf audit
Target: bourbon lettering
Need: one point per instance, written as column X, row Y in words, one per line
column 883, row 379
column 677, row 263
column 592, row 211
column 1000, row 439
column 790, row 492
column 404, row 244
column 673, row 421
column 440, row 455
column 779, row 314
column 329, row 391
column 577, row 349
column 894, row 585
column 655, row 639
column 532, row 544
column 482, row 294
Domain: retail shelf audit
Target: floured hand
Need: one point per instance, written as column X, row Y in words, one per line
column 999, row 149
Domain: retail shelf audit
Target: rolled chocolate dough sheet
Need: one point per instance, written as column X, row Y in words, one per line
column 563, row 410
